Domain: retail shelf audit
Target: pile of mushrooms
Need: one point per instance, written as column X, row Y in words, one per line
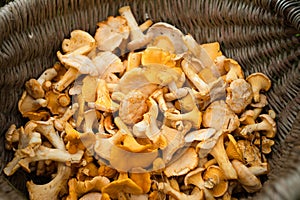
column 143, row 112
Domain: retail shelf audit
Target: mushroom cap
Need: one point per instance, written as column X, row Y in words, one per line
column 111, row 33
column 220, row 189
column 154, row 55
column 264, row 81
column 122, row 185
column 239, row 95
column 174, row 34
column 233, row 151
column 214, row 175
column 34, row 89
column 79, row 38
column 219, row 116
column 143, row 180
column 163, row 42
column 270, row 133
column 247, row 117
column 185, row 163
column 89, row 88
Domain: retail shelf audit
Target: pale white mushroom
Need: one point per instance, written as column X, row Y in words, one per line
column 111, row 33
column 171, row 32
column 137, row 38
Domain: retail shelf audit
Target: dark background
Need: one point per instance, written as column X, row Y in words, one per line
column 3, row 2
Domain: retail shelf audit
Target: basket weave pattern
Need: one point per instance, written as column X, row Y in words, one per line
column 262, row 35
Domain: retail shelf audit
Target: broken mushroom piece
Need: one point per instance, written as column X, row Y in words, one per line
column 259, row 82
column 34, row 89
column 91, row 196
column 122, row 185
column 185, row 163
column 198, row 51
column 194, row 116
column 202, row 87
column 219, row 116
column 137, row 37
column 249, row 181
column 52, row 189
column 111, row 33
column 132, row 107
column 103, row 100
column 251, row 153
column 79, row 40
column 239, row 95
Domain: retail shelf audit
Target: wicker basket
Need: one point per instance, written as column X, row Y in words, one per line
column 263, row 35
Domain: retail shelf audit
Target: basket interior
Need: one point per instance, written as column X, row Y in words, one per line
column 261, row 35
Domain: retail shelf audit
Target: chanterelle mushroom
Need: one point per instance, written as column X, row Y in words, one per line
column 185, row 163
column 122, row 185
column 259, row 82
column 267, row 126
column 111, row 33
column 249, row 182
column 138, row 39
column 239, row 95
column 79, row 188
column 78, row 40
column 171, row 32
column 132, row 107
column 219, row 116
column 219, row 153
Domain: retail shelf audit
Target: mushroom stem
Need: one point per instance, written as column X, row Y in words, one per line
column 248, row 180
column 158, row 95
column 196, row 194
column 219, row 153
column 138, row 39
column 45, row 153
column 67, row 79
column 47, row 75
column 59, row 123
column 194, row 116
column 202, row 87
column 267, row 124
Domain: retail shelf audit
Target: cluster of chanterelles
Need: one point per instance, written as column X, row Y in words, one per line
column 176, row 119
